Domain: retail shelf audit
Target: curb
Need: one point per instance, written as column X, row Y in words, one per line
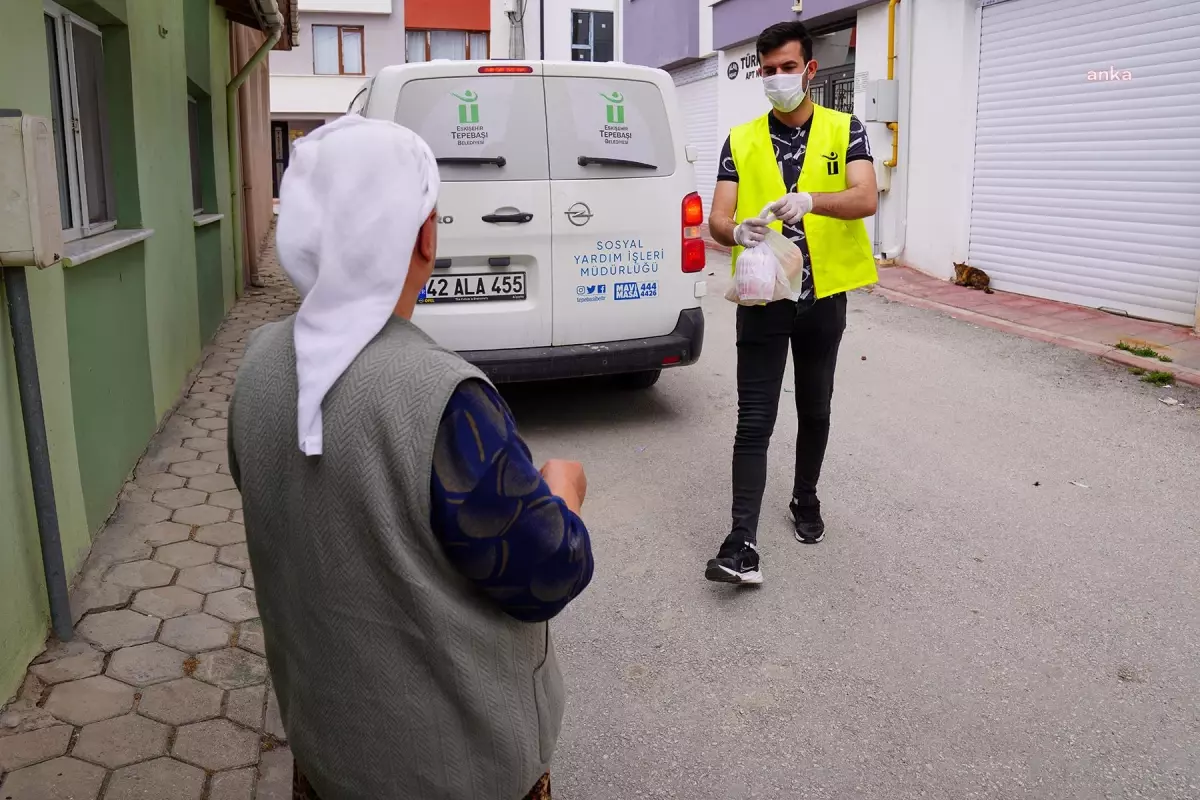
column 1183, row 375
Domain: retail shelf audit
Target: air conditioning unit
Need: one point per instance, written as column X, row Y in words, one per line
column 30, row 222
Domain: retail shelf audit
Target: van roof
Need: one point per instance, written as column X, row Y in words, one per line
column 588, row 69
column 387, row 83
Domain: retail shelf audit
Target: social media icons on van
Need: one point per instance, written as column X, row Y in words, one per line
column 624, row 290
column 594, row 293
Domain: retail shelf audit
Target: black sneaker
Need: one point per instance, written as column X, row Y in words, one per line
column 810, row 528
column 735, row 563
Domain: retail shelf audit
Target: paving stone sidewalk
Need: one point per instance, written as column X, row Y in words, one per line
column 1078, row 328
column 164, row 692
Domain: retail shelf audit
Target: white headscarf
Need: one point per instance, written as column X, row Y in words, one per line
column 351, row 205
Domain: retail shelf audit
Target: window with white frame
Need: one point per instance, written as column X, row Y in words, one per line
column 80, row 115
column 453, row 45
column 338, row 50
column 592, row 36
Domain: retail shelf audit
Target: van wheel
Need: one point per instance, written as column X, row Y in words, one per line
column 639, row 380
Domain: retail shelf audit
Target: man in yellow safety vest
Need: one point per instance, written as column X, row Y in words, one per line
column 813, row 167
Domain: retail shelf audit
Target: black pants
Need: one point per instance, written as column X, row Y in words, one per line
column 763, row 335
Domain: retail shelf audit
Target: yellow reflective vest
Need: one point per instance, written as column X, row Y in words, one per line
column 841, row 252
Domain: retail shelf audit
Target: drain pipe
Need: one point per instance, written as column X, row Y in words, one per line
column 894, row 127
column 892, row 251
column 516, row 31
column 16, row 289
column 268, row 13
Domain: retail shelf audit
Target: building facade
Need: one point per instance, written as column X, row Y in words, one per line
column 1052, row 145
column 1016, row 138
column 558, row 30
column 136, row 94
column 340, row 43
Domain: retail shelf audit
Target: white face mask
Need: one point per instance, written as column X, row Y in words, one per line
column 786, row 92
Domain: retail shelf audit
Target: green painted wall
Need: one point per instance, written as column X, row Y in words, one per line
column 117, row 336
column 220, row 75
column 24, row 84
column 209, row 279
column 196, row 32
column 208, row 72
column 161, row 121
column 110, row 373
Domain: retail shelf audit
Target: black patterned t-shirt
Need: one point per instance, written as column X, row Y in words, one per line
column 790, row 147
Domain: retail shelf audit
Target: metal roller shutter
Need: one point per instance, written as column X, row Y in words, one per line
column 697, row 86
column 1087, row 189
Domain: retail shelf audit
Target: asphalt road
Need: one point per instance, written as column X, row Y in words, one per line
column 963, row 632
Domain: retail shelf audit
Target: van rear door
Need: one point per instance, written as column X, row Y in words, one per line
column 493, row 287
column 618, row 181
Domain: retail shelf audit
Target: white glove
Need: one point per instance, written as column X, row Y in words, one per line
column 791, row 208
column 751, row 232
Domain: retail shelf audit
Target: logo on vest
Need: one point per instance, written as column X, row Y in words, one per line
column 831, row 163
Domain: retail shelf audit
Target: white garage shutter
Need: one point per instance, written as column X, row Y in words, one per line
column 697, row 87
column 1087, row 153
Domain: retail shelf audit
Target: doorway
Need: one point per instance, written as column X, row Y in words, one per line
column 280, row 151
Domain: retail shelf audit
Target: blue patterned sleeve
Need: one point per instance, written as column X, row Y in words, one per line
column 859, row 147
column 498, row 521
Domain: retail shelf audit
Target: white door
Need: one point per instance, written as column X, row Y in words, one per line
column 619, row 178
column 1087, row 154
column 697, row 91
column 493, row 286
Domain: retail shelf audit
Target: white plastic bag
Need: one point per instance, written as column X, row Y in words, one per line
column 770, row 271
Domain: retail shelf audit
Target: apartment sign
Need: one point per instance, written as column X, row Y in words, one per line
column 746, row 67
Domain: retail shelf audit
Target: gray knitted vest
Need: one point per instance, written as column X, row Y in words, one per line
column 395, row 677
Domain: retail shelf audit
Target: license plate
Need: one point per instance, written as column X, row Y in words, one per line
column 473, row 287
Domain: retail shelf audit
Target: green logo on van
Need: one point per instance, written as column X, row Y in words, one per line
column 468, row 111
column 616, row 111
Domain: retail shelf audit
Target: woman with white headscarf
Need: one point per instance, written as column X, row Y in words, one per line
column 407, row 553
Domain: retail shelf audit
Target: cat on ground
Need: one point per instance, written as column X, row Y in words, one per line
column 972, row 278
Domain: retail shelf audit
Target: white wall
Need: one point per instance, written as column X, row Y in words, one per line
column 383, row 42
column 706, row 27
column 870, row 63
column 558, row 27
column 323, row 96
column 295, row 91
column 741, row 98
column 927, row 207
column 502, row 30
column 349, row 6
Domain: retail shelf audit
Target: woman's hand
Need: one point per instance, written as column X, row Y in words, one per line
column 567, row 480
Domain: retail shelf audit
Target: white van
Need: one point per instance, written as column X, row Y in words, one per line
column 569, row 242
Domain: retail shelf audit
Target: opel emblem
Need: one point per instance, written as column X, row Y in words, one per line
column 579, row 214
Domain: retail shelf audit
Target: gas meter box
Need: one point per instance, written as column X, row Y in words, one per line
column 883, row 101
column 30, row 222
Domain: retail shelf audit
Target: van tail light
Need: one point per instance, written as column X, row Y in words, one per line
column 694, row 251
column 509, row 70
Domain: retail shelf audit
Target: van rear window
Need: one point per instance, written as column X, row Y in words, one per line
column 480, row 127
column 602, row 128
